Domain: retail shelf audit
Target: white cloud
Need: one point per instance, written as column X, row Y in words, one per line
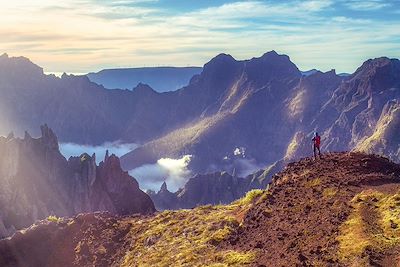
column 366, row 5
column 316, row 5
column 342, row 19
column 247, row 166
column 174, row 172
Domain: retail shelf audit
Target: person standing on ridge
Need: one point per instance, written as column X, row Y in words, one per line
column 316, row 142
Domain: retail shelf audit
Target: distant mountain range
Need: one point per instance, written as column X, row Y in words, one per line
column 161, row 79
column 313, row 71
column 243, row 115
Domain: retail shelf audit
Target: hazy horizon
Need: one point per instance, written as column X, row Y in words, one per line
column 81, row 36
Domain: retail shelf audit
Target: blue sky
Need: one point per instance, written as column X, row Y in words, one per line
column 87, row 35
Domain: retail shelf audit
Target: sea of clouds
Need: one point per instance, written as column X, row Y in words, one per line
column 174, row 171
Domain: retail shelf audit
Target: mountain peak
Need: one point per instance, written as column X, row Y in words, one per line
column 223, row 57
column 271, row 65
column 18, row 67
column 143, row 88
column 381, row 73
column 48, row 137
column 164, row 187
column 218, row 61
column 376, row 63
column 271, row 53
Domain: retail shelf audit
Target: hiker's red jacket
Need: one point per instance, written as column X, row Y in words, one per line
column 317, row 140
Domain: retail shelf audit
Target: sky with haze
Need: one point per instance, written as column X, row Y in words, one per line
column 79, row 36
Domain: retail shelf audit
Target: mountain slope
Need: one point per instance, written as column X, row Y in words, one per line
column 342, row 210
column 260, row 108
column 81, row 111
column 263, row 106
column 385, row 139
column 238, row 90
column 212, row 188
column 352, row 113
column 281, row 113
column 170, row 238
column 162, row 79
column 37, row 181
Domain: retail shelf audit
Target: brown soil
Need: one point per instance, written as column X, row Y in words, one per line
column 298, row 223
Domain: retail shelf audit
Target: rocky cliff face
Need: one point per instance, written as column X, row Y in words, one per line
column 214, row 188
column 265, row 106
column 258, row 104
column 352, row 113
column 37, row 181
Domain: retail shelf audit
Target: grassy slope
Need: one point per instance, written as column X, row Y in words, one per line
column 189, row 237
column 373, row 226
column 169, row 238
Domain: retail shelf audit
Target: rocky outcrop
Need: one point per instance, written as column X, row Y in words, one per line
column 213, row 188
column 37, row 181
column 329, row 212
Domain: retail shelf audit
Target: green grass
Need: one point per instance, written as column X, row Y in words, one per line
column 329, row 192
column 356, row 235
column 190, row 237
column 53, row 218
column 249, row 197
column 314, row 182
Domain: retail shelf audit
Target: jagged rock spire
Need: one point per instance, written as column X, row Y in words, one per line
column 106, row 156
column 48, row 137
column 164, row 187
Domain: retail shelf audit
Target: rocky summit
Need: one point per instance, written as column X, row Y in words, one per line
column 341, row 210
column 37, row 182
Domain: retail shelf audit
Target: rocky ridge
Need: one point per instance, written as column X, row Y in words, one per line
column 342, row 210
column 330, row 212
column 37, row 181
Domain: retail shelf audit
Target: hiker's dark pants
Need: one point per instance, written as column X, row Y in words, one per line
column 315, row 151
